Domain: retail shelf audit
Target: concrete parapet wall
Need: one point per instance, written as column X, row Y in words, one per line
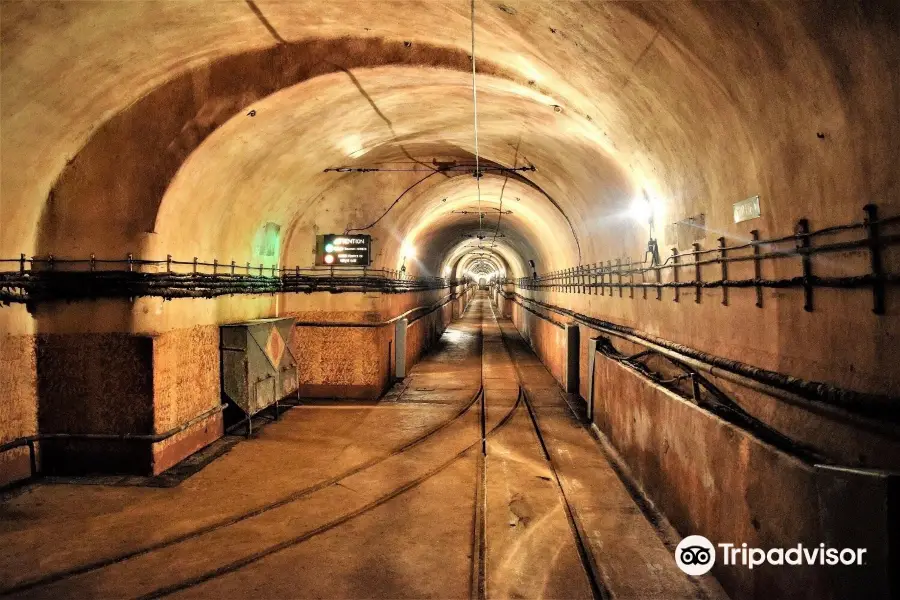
column 713, row 478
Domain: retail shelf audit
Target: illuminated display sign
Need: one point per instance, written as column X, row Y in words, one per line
column 334, row 250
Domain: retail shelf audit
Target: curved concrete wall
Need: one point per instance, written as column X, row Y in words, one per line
column 132, row 132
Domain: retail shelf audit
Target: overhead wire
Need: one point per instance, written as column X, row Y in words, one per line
column 502, row 190
column 393, row 204
column 475, row 115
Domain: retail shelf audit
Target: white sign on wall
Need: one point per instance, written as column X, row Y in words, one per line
column 746, row 209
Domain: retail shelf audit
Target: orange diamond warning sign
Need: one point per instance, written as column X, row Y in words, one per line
column 275, row 346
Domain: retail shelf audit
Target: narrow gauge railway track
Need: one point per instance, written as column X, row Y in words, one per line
column 257, row 556
column 589, row 565
column 478, row 567
column 478, row 575
column 260, row 510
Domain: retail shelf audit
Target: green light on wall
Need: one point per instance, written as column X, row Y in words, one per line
column 268, row 240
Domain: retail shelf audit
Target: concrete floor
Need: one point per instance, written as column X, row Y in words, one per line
column 379, row 500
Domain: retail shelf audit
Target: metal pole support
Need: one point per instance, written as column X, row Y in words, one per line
column 573, row 352
column 592, row 362
column 400, row 348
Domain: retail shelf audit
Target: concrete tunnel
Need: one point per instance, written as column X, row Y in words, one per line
column 463, row 299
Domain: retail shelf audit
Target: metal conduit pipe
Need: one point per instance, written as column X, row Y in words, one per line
column 861, row 409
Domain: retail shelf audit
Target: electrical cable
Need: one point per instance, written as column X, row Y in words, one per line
column 475, row 114
column 384, row 214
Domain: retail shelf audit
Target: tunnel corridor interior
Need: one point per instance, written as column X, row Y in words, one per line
column 476, row 298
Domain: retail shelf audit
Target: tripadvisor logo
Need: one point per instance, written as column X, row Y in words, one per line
column 696, row 555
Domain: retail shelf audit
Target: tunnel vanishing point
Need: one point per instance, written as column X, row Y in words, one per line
column 450, row 299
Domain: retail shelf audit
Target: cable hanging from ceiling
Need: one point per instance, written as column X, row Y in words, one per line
column 475, row 119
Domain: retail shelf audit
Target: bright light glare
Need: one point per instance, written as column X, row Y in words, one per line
column 352, row 145
column 530, row 72
column 641, row 210
column 408, row 250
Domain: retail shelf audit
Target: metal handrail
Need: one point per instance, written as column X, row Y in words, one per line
column 596, row 278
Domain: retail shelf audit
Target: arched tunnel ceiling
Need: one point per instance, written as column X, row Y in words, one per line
column 133, row 134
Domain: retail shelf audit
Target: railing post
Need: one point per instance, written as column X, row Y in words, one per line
column 32, row 458
column 757, row 270
column 130, row 262
column 609, row 270
column 22, row 263
column 195, row 265
column 723, row 255
column 630, row 278
column 658, row 281
column 232, row 267
column 215, row 266
column 602, row 273
column 697, row 278
column 619, row 274
column 168, row 263
column 806, row 261
column 93, row 262
column 643, row 279
column 675, row 271
column 875, row 255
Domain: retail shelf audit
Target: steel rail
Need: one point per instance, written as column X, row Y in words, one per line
column 599, row 590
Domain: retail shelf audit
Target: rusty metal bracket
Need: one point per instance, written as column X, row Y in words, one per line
column 675, row 271
column 723, row 255
column 875, row 253
column 697, row 277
